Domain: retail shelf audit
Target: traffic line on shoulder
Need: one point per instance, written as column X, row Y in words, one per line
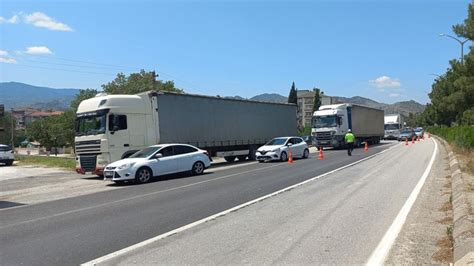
column 220, row 214
column 379, row 255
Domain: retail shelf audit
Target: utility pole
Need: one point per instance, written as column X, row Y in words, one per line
column 154, row 78
column 460, row 42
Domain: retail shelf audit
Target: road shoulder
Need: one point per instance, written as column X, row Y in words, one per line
column 423, row 238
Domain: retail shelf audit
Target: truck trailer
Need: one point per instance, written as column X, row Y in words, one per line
column 112, row 127
column 393, row 125
column 331, row 123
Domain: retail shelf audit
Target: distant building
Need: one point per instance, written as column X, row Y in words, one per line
column 26, row 116
column 305, row 105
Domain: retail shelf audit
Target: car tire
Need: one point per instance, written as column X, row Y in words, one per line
column 261, row 161
column 143, row 175
column 198, row 168
column 305, row 154
column 9, row 163
column 229, row 158
column 283, row 156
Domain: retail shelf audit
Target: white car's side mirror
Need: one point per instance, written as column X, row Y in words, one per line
column 158, row 156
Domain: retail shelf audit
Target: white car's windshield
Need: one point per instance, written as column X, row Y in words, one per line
column 145, row 153
column 277, row 141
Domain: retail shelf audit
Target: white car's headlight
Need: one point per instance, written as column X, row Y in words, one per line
column 125, row 166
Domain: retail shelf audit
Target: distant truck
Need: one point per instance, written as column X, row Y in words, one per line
column 393, row 125
column 331, row 123
column 111, row 127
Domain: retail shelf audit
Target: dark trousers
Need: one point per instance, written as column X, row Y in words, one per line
column 350, row 147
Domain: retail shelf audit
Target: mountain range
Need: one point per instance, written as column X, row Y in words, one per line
column 16, row 95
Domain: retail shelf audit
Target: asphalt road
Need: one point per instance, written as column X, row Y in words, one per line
column 79, row 229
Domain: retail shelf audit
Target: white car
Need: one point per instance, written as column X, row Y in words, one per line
column 279, row 149
column 158, row 160
column 7, row 155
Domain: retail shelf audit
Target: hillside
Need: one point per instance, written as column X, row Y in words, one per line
column 270, row 97
column 16, row 94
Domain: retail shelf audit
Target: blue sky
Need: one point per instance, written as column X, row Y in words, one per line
column 385, row 50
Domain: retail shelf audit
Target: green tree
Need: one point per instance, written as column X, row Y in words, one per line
column 466, row 29
column 138, row 82
column 317, row 99
column 53, row 131
column 292, row 97
column 81, row 96
column 6, row 124
column 452, row 94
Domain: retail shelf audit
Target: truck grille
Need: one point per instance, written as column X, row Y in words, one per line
column 88, row 162
column 88, row 147
column 323, row 136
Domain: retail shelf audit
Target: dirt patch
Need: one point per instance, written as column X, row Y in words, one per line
column 444, row 254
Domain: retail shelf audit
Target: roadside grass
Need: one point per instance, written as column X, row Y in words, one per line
column 460, row 136
column 51, row 161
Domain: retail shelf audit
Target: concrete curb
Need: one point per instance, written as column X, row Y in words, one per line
column 463, row 229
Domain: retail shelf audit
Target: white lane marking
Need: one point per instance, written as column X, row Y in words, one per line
column 380, row 253
column 212, row 217
column 135, row 197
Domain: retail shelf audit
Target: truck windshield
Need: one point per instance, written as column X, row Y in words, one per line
column 90, row 125
column 325, row 121
column 278, row 141
column 145, row 153
column 391, row 126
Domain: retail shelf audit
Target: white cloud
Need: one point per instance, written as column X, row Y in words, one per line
column 13, row 20
column 3, row 53
column 42, row 20
column 385, row 82
column 394, row 95
column 38, row 50
column 7, row 60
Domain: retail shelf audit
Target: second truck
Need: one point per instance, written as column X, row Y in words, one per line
column 331, row 123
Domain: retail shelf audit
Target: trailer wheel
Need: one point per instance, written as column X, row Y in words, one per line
column 229, row 158
column 242, row 158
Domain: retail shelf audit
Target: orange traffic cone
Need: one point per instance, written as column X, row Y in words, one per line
column 418, row 138
column 406, row 141
column 321, row 154
column 412, row 140
column 366, row 148
column 290, row 158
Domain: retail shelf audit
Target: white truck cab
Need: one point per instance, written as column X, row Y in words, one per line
column 109, row 127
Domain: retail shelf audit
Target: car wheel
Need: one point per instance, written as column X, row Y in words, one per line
column 283, row 156
column 229, row 158
column 198, row 168
column 305, row 154
column 143, row 175
column 261, row 161
column 9, row 163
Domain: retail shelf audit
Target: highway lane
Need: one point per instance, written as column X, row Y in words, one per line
column 75, row 230
column 337, row 220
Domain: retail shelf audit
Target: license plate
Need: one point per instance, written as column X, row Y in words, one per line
column 109, row 174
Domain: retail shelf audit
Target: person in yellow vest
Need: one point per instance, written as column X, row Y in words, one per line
column 349, row 138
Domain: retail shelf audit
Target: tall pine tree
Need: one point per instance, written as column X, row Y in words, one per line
column 292, row 97
column 317, row 99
